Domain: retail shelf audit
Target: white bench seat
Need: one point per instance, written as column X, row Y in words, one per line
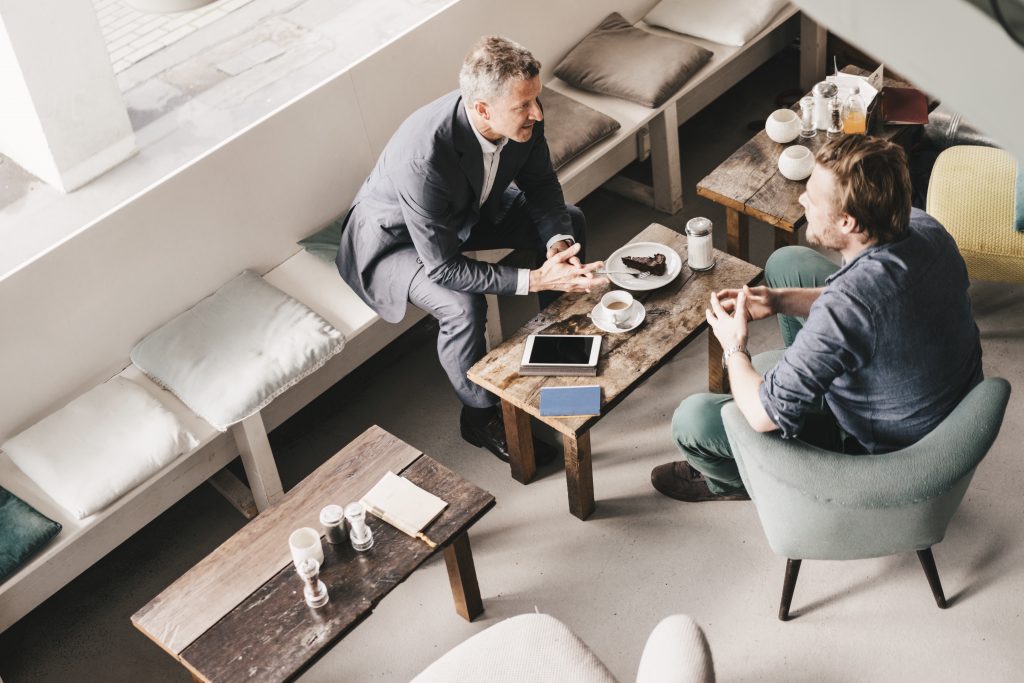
column 643, row 127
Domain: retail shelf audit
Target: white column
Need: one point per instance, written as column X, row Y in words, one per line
column 62, row 117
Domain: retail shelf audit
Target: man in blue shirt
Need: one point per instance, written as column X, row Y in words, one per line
column 879, row 350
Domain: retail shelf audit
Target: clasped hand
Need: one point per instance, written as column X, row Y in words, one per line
column 744, row 304
column 563, row 272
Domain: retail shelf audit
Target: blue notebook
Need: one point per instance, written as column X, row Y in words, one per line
column 570, row 401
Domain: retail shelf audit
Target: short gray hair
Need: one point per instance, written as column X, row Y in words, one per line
column 491, row 64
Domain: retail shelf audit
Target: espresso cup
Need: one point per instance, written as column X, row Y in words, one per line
column 305, row 543
column 617, row 305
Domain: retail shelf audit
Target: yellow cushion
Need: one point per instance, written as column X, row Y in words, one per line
column 972, row 192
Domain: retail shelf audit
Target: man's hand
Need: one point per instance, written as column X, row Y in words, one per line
column 762, row 302
column 559, row 246
column 729, row 329
column 563, row 272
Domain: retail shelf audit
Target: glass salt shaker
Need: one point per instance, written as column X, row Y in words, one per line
column 807, row 127
column 314, row 591
column 332, row 519
column 360, row 534
column 699, row 254
column 824, row 92
column 835, row 118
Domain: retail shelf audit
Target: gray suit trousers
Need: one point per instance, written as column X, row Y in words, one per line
column 462, row 316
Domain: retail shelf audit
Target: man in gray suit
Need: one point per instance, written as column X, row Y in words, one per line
column 443, row 186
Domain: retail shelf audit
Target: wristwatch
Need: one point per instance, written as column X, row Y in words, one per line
column 735, row 348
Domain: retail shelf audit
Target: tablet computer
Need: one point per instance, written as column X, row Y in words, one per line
column 561, row 354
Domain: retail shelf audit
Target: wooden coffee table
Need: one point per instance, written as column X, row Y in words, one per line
column 239, row 614
column 675, row 317
column 748, row 184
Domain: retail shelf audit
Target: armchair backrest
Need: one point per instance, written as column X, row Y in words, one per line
column 816, row 504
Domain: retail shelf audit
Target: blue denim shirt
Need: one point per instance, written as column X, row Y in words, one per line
column 890, row 344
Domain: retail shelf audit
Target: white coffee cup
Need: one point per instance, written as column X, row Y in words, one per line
column 617, row 305
column 305, row 543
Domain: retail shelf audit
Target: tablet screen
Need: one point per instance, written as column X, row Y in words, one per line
column 552, row 350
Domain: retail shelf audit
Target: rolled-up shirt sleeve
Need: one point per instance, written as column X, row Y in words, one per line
column 838, row 338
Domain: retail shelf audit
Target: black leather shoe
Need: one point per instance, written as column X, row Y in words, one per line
column 486, row 429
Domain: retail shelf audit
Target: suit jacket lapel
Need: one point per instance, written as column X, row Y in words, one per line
column 471, row 159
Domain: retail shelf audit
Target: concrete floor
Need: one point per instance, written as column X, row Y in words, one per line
column 639, row 558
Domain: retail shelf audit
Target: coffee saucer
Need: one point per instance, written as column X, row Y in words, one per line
column 637, row 313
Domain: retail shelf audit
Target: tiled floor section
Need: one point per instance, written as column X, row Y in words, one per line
column 132, row 35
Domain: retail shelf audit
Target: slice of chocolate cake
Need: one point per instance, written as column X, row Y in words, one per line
column 655, row 265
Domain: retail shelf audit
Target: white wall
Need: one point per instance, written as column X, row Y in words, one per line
column 70, row 318
column 68, row 123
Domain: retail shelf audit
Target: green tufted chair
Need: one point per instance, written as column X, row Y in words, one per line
column 819, row 505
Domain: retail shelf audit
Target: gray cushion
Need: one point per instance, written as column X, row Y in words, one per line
column 236, row 350
column 324, row 242
column 571, row 127
column 623, row 61
column 23, row 531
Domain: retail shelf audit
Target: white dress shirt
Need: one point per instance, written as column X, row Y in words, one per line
column 492, row 156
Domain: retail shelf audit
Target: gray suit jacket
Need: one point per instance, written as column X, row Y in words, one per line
column 424, row 193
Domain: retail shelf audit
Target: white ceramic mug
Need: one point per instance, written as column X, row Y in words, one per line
column 796, row 162
column 617, row 305
column 783, row 125
column 305, row 543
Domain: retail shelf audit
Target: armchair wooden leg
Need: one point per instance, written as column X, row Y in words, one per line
column 788, row 585
column 928, row 563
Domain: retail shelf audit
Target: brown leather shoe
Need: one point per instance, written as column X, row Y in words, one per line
column 680, row 481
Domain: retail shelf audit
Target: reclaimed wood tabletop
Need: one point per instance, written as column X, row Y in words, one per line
column 239, row 614
column 675, row 316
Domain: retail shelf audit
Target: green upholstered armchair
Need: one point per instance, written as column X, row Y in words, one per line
column 819, row 505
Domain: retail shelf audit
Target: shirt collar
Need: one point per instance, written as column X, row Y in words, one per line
column 486, row 145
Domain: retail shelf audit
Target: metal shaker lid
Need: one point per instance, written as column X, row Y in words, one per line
column 698, row 226
column 826, row 89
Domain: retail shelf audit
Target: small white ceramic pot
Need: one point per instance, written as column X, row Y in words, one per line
column 782, row 126
column 796, row 162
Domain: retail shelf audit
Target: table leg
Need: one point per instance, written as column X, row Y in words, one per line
column 579, row 476
column 737, row 227
column 519, row 436
column 718, row 380
column 462, row 576
column 813, row 48
column 786, row 238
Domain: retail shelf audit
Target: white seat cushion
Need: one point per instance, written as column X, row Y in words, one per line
column 236, row 350
column 100, row 446
column 529, row 647
column 728, row 22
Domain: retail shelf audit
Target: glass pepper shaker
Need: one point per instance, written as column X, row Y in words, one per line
column 835, row 118
column 360, row 534
column 314, row 590
column 807, row 127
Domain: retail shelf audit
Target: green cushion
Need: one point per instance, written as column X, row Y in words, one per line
column 324, row 242
column 23, row 531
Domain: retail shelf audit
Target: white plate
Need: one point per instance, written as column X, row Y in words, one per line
column 637, row 314
column 673, row 264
